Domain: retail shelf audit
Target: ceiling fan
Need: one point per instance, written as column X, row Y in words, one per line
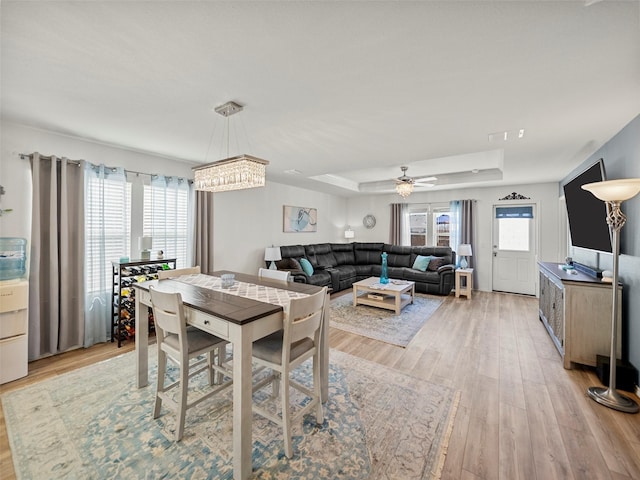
column 405, row 184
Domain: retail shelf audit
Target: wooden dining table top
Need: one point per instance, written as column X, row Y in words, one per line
column 232, row 308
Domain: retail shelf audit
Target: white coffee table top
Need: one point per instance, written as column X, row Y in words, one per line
column 373, row 283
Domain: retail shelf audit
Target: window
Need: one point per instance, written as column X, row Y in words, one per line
column 166, row 210
column 418, row 228
column 442, row 229
column 107, row 223
column 429, row 225
column 513, row 228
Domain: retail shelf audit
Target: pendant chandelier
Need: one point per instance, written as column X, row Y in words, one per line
column 232, row 173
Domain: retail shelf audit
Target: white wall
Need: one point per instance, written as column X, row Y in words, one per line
column 247, row 221
column 544, row 195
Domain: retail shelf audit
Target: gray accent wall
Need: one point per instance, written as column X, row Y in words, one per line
column 621, row 157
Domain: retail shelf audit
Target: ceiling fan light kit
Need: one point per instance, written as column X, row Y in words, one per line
column 406, row 184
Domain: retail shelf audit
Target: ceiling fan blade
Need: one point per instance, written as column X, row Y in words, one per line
column 425, row 179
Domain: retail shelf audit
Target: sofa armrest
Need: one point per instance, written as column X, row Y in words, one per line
column 298, row 276
column 446, row 268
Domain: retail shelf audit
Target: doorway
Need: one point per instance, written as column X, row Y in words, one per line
column 515, row 249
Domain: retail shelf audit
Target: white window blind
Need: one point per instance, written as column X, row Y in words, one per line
column 166, row 211
column 107, row 228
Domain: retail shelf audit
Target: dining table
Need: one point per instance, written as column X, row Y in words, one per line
column 251, row 308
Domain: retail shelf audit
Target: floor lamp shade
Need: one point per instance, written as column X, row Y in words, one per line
column 614, row 192
column 464, row 251
column 272, row 254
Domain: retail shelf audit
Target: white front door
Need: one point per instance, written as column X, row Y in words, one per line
column 514, row 249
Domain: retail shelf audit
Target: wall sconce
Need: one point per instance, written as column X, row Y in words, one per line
column 348, row 233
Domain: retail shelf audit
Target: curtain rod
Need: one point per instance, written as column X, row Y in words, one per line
column 27, row 156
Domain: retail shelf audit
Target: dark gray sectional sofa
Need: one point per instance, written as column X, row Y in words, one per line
column 339, row 265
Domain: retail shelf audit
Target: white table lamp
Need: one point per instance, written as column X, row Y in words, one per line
column 613, row 193
column 464, row 251
column 272, row 254
column 145, row 244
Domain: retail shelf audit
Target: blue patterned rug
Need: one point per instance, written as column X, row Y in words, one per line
column 93, row 423
column 381, row 324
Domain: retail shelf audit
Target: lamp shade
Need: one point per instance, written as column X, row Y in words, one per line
column 272, row 254
column 145, row 243
column 614, row 190
column 464, row 249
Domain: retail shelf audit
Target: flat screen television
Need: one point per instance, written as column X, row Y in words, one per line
column 587, row 215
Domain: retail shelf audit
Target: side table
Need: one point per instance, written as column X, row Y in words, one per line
column 467, row 275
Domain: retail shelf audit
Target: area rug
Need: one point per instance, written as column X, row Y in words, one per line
column 93, row 423
column 381, row 324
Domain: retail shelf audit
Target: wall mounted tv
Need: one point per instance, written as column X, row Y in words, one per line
column 587, row 215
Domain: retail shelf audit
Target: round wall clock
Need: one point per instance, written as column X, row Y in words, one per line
column 369, row 221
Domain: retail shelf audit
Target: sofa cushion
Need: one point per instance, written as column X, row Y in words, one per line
column 306, row 266
column 398, row 256
column 292, row 251
column 343, row 253
column 436, row 263
column 310, row 254
column 324, row 255
column 421, row 277
column 422, row 262
column 368, row 253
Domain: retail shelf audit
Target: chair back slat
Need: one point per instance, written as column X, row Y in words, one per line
column 168, row 311
column 304, row 316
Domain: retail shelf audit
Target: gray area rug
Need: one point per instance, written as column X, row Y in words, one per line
column 93, row 423
column 381, row 324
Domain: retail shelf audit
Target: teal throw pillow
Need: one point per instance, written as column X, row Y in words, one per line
column 306, row 266
column 421, row 263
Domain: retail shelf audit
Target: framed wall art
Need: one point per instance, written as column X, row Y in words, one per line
column 299, row 219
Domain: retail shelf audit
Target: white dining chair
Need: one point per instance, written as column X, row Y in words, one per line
column 274, row 274
column 180, row 344
column 285, row 350
column 163, row 274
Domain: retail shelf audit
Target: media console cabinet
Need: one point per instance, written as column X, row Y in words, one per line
column 575, row 308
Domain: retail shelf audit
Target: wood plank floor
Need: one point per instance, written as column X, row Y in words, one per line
column 521, row 415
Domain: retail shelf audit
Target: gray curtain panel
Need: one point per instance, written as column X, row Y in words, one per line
column 396, row 235
column 56, row 275
column 203, row 236
column 467, row 226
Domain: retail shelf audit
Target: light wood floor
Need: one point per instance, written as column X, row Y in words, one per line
column 521, row 415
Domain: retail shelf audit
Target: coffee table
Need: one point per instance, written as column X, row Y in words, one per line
column 392, row 296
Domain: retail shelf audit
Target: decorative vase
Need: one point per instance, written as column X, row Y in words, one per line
column 384, row 274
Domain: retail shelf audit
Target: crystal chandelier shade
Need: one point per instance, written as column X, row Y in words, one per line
column 404, row 189
column 236, row 173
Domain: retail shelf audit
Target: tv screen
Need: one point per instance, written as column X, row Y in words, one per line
column 587, row 215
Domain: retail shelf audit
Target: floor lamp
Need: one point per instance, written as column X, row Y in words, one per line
column 613, row 193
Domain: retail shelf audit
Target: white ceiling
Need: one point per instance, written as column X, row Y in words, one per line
column 346, row 92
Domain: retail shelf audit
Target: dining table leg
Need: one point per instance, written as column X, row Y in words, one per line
column 242, row 402
column 142, row 343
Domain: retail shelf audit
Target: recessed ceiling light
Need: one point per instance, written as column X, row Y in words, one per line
column 521, row 133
